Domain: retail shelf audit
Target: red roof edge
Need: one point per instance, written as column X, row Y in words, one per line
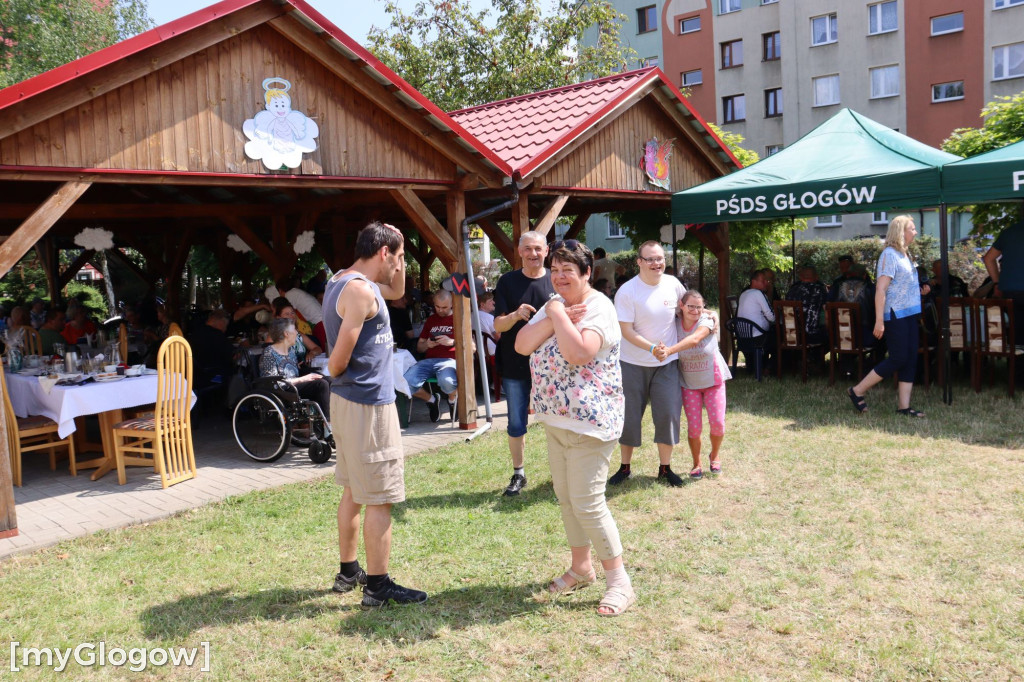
column 126, row 48
column 700, row 119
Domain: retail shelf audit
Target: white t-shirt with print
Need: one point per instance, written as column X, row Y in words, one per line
column 652, row 312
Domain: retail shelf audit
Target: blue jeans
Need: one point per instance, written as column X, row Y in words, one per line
column 442, row 368
column 517, row 399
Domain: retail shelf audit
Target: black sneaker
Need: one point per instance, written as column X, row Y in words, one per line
column 619, row 476
column 343, row 584
column 670, row 477
column 435, row 410
column 515, row 485
column 391, row 593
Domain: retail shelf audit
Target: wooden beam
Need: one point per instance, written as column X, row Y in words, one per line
column 520, row 225
column 498, row 238
column 133, row 67
column 577, row 226
column 353, row 72
column 259, row 247
column 133, row 211
column 464, row 369
column 550, row 214
column 146, row 277
column 36, row 225
column 430, row 229
column 695, row 136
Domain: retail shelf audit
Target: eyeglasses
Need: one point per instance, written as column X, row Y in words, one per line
column 694, row 308
column 567, row 244
column 653, row 261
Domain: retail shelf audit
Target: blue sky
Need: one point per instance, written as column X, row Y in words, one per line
column 354, row 17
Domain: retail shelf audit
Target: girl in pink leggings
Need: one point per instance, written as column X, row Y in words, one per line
column 702, row 374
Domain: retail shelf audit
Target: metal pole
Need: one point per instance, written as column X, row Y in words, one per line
column 944, row 352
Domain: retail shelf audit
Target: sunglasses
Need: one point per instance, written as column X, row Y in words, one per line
column 567, row 244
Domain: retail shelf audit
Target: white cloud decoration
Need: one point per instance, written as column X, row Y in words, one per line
column 238, row 244
column 304, row 242
column 95, row 239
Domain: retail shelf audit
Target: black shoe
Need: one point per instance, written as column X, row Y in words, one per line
column 435, row 410
column 670, row 477
column 619, row 476
column 343, row 584
column 391, row 593
column 517, row 483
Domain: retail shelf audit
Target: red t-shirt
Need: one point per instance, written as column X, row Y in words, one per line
column 439, row 326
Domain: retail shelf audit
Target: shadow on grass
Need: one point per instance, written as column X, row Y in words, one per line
column 541, row 494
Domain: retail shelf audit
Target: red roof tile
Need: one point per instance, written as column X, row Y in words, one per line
column 525, row 131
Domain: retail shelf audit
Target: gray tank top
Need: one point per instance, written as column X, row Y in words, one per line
column 369, row 379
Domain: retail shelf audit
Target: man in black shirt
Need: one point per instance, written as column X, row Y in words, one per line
column 212, row 352
column 518, row 295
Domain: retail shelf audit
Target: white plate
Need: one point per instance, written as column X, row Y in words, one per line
column 102, row 379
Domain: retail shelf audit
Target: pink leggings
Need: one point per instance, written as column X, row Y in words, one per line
column 714, row 399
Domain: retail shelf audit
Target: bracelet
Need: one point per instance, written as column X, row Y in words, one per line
column 651, row 350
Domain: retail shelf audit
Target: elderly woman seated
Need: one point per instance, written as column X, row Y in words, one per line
column 279, row 359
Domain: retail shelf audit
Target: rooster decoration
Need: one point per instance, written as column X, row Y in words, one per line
column 655, row 162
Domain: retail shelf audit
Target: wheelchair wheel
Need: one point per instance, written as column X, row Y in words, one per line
column 261, row 427
column 319, row 451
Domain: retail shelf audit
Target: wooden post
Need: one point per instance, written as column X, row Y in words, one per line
column 8, row 517
column 520, row 224
column 463, row 320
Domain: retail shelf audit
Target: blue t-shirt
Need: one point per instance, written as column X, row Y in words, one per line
column 903, row 297
column 1010, row 244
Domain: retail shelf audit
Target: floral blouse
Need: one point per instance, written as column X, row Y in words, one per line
column 273, row 363
column 585, row 399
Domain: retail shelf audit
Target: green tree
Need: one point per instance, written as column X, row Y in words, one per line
column 1003, row 125
column 759, row 239
column 458, row 58
column 38, row 35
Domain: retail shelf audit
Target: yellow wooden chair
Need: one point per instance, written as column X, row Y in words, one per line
column 174, row 330
column 33, row 343
column 31, row 434
column 164, row 440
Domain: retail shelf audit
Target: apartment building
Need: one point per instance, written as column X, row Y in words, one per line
column 772, row 70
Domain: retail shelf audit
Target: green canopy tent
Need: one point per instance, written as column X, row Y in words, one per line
column 997, row 175
column 848, row 164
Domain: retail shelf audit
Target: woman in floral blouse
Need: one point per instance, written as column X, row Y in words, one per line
column 573, row 343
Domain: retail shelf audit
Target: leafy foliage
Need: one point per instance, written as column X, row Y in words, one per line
column 1004, row 124
column 759, row 239
column 458, row 58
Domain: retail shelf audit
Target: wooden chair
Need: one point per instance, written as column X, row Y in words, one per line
column 845, row 336
column 32, row 341
column 996, row 338
column 963, row 336
column 173, row 329
column 163, row 441
column 791, row 334
column 750, row 338
column 122, row 341
column 31, row 434
column 492, row 366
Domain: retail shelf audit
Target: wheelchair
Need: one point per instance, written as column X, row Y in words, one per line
column 272, row 415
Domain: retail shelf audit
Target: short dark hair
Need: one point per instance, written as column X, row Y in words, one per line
column 279, row 304
column 278, row 327
column 484, row 298
column 599, row 253
column 845, row 257
column 218, row 314
column 376, row 236
column 575, row 253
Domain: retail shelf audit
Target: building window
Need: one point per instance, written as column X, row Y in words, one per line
column 647, row 19
column 769, row 2
column 944, row 92
column 773, row 102
column 772, row 46
column 1008, row 3
column 652, row 61
column 829, row 221
column 948, row 23
column 695, row 77
column 772, row 149
column 826, row 90
column 615, row 230
column 880, row 218
column 734, row 109
column 882, row 17
column 689, row 25
column 732, row 54
column 1008, row 61
column 824, row 30
column 885, row 81
column 726, row 6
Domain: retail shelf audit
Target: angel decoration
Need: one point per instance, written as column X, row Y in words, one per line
column 278, row 135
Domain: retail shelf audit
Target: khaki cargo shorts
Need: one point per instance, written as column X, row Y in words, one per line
column 370, row 459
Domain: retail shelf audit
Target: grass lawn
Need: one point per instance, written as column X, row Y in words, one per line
column 833, row 546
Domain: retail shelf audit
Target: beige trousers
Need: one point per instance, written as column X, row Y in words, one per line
column 579, row 473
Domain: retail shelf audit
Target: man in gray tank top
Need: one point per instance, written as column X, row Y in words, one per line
column 370, row 461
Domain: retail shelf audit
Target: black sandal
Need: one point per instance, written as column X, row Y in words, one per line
column 858, row 401
column 910, row 412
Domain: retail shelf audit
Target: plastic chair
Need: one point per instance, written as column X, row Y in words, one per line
column 31, row 434
column 996, row 337
column 750, row 338
column 33, row 342
column 163, row 441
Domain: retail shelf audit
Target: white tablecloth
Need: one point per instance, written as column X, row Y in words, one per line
column 63, row 403
column 401, row 361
